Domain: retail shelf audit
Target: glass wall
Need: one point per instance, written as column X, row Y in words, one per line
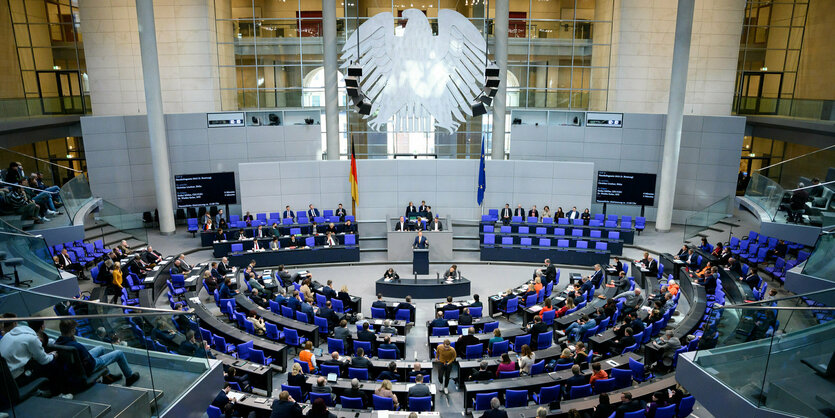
column 50, row 51
column 270, row 56
column 769, row 54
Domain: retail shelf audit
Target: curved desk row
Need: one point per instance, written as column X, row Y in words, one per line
column 400, row 389
column 403, row 366
column 308, row 331
column 338, row 254
column 422, row 288
column 223, row 248
column 536, row 254
column 508, row 334
column 234, row 335
column 207, row 237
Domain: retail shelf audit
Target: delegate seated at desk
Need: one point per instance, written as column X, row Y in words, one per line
column 402, row 225
column 420, row 241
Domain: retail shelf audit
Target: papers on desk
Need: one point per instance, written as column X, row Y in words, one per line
column 678, row 261
column 235, row 395
column 195, row 300
column 535, row 308
column 612, row 363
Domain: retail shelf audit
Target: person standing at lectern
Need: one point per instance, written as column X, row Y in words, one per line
column 420, row 241
column 401, row 226
column 506, row 214
column 436, row 224
column 340, row 212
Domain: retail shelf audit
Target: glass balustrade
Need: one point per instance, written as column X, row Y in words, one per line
column 75, row 194
column 767, row 352
column 794, row 108
column 701, row 220
column 110, row 218
column 27, row 259
column 164, row 347
column 821, row 263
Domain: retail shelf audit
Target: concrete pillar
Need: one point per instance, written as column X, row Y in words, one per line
column 331, row 80
column 675, row 110
column 499, row 102
column 156, row 120
column 541, row 85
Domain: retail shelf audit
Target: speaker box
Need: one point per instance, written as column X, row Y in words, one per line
column 491, row 71
column 364, row 107
column 492, row 82
column 487, row 100
column 352, row 82
column 479, row 109
column 355, row 71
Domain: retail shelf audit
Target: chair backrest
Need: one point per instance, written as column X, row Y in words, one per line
column 350, row 239
column 475, row 311
column 451, row 314
column 547, row 220
column 623, row 377
column 548, row 317
column 335, row 344
column 322, row 323
column 301, row 316
column 544, row 340
column 482, row 400
column 508, row 374
column 525, row 242
column 214, row 412
column 439, row 331
column 559, row 232
column 357, row 373
column 577, row 221
column 635, row 414
column 507, row 240
column 530, row 300
column 378, row 313
column 350, row 403
column 579, row 391
column 685, row 406
column 328, row 369
column 403, row 315
column 604, row 385
column 582, row 244
column 614, row 234
column 474, row 351
column 515, row 219
column 310, row 241
column 601, row 246
column 516, row 398
column 544, row 242
column 537, row 367
column 365, row 345
column 500, row 348
column 291, row 336
column 562, row 243
column 324, row 396
column 524, row 230
column 488, row 228
column 521, row 340
column 271, row 331
column 576, row 232
column 490, row 326
column 387, row 353
column 595, row 233
column 513, row 304
column 505, row 229
column 562, row 221
column 237, row 248
column 489, row 239
column 418, row 404
column 382, row 404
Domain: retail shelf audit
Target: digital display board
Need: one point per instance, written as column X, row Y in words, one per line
column 208, row 189
column 625, row 188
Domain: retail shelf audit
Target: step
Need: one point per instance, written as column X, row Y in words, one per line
column 368, row 250
column 730, row 221
column 467, row 237
column 466, row 249
column 123, row 401
column 372, row 238
column 55, row 407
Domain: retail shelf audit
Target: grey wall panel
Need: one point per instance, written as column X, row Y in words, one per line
column 725, row 124
column 102, row 124
column 104, row 142
column 138, row 156
column 185, row 121
column 136, row 123
column 135, row 140
column 188, row 137
column 642, row 136
column 605, row 135
column 643, row 120
column 692, row 123
column 228, row 151
column 690, row 139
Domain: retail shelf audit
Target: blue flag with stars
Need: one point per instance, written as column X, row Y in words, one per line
column 482, row 184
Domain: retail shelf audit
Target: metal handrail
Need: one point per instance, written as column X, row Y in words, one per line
column 794, row 158
column 41, row 160
column 812, row 186
column 27, row 187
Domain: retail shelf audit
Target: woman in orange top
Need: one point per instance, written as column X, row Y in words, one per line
column 537, row 284
column 672, row 287
column 547, row 307
column 307, row 356
column 705, row 271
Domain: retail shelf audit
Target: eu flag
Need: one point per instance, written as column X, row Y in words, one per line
column 482, row 184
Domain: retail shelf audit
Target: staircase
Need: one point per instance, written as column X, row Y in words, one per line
column 99, row 401
column 465, row 236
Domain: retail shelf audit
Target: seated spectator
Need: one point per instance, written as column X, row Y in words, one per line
column 296, row 377
column 633, row 300
column 387, row 345
column 307, row 356
column 322, row 387
column 628, row 405
column 439, row 321
column 96, row 357
column 576, row 379
column 546, row 306
column 465, row 318
column 597, row 373
column 390, row 373
column 526, row 359
column 336, row 360
column 384, row 390
column 365, row 334
column 659, row 400
column 25, row 355
column 466, row 340
column 241, row 378
column 416, row 370
column 165, row 333
column 226, row 291
column 192, row 347
column 604, row 408
column 355, row 392
column 224, row 402
column 538, row 327
column 569, row 304
column 387, row 328
column 328, row 313
column 494, row 411
column 419, row 390
column 505, row 365
column 256, row 297
column 580, row 354
column 576, row 329
column 566, row 357
column 476, row 302
column 627, row 340
column 496, row 338
column 20, row 203
column 285, row 406
column 342, row 332
column 360, row 361
column 482, row 374
column 379, row 303
column 257, row 322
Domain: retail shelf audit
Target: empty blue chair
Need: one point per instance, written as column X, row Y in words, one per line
column 544, row 340
column 475, row 311
column 508, row 375
column 388, row 354
column 547, row 220
column 272, row 332
column 583, row 244
column 257, row 356
column 482, row 400
column 291, row 337
column 562, row 243
column 489, row 240
column 576, row 232
column 405, row 315
column 507, row 240
column 324, row 396
column 365, row 345
column 559, row 232
column 524, row 230
column 383, row 404
column 302, row 317
column 595, row 233
column 520, row 341
column 378, row 313
column 295, row 392
column 604, row 385
column 493, row 214
column 577, row 221
column 474, row 351
column 625, row 224
column 638, row 371
column 614, row 234
column 635, row 414
column 287, row 221
column 500, row 348
column 516, row 219
column 532, row 220
column 488, row 228
column 623, row 377
column 541, row 230
column 525, row 242
column 579, row 391
column 538, row 367
column 220, row 344
column 295, row 231
column 326, row 369
column 602, row 246
column 547, row 395
column 451, row 314
column 338, row 307
column 490, row 326
column 640, row 223
column 356, row 373
column 505, row 229
column 685, row 406
column 350, row 239
column 236, row 248
column 668, row 411
column 515, row 398
column 562, row 221
column 335, row 344
column 440, row 331
column 530, row 300
column 548, row 317
column 420, row 404
column 544, row 242
column 350, row 403
column 610, row 224
column 214, row 412
column 310, row 242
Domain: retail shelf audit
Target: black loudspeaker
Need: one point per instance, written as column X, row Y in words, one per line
column 491, row 71
column 352, row 91
column 364, row 107
column 490, row 91
column 352, row 82
column 492, row 82
column 357, row 99
column 487, row 100
column 255, row 121
column 354, row 71
column 479, row 109
column 274, row 119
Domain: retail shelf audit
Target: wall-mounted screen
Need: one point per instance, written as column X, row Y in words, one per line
column 205, row 189
column 625, row 188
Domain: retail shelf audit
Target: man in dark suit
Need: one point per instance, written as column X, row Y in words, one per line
column 294, row 302
column 449, row 305
column 439, row 321
column 365, row 334
column 428, row 212
column 389, row 373
column 752, row 279
column 407, row 305
column 533, row 213
column 627, row 404
column 507, row 296
column 436, row 224
column 288, row 213
column 494, row 411
column 340, row 212
column 649, row 264
column 259, row 232
column 482, row 374
column 734, row 266
column 549, row 272
column 387, row 345
column 379, row 303
column 354, row 391
column 573, row 214
column 538, row 327
column 420, row 241
column 709, row 281
column 466, row 340
column 576, row 379
column 349, row 228
column 223, row 268
column 411, row 210
column 520, row 211
column 422, row 207
column 587, row 286
column 506, row 214
column 402, row 225
column 596, row 278
column 419, row 390
column 328, row 313
column 627, row 340
column 465, row 318
column 312, row 212
column 328, row 291
column 360, row 361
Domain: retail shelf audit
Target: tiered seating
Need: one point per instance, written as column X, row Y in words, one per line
column 754, row 249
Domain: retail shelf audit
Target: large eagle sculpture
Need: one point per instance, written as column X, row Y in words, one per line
column 417, row 77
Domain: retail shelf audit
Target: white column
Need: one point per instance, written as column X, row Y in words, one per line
column 499, row 110
column 541, row 85
column 675, row 110
column 156, row 121
column 331, row 80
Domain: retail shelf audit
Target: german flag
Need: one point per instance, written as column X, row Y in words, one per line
column 352, row 178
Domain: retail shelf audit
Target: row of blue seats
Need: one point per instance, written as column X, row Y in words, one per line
column 490, row 240
column 274, row 218
column 598, row 220
column 558, row 232
column 347, row 240
column 81, row 252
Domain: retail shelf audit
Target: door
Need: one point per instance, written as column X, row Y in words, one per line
column 60, row 92
column 759, row 92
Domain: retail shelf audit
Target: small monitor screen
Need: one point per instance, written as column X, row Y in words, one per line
column 625, row 188
column 208, row 189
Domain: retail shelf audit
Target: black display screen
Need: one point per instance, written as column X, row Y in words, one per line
column 625, row 188
column 205, row 189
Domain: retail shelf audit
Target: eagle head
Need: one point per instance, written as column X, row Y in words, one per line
column 417, row 21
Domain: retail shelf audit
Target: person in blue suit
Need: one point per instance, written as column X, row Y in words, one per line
column 312, row 212
column 420, row 241
column 288, row 213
